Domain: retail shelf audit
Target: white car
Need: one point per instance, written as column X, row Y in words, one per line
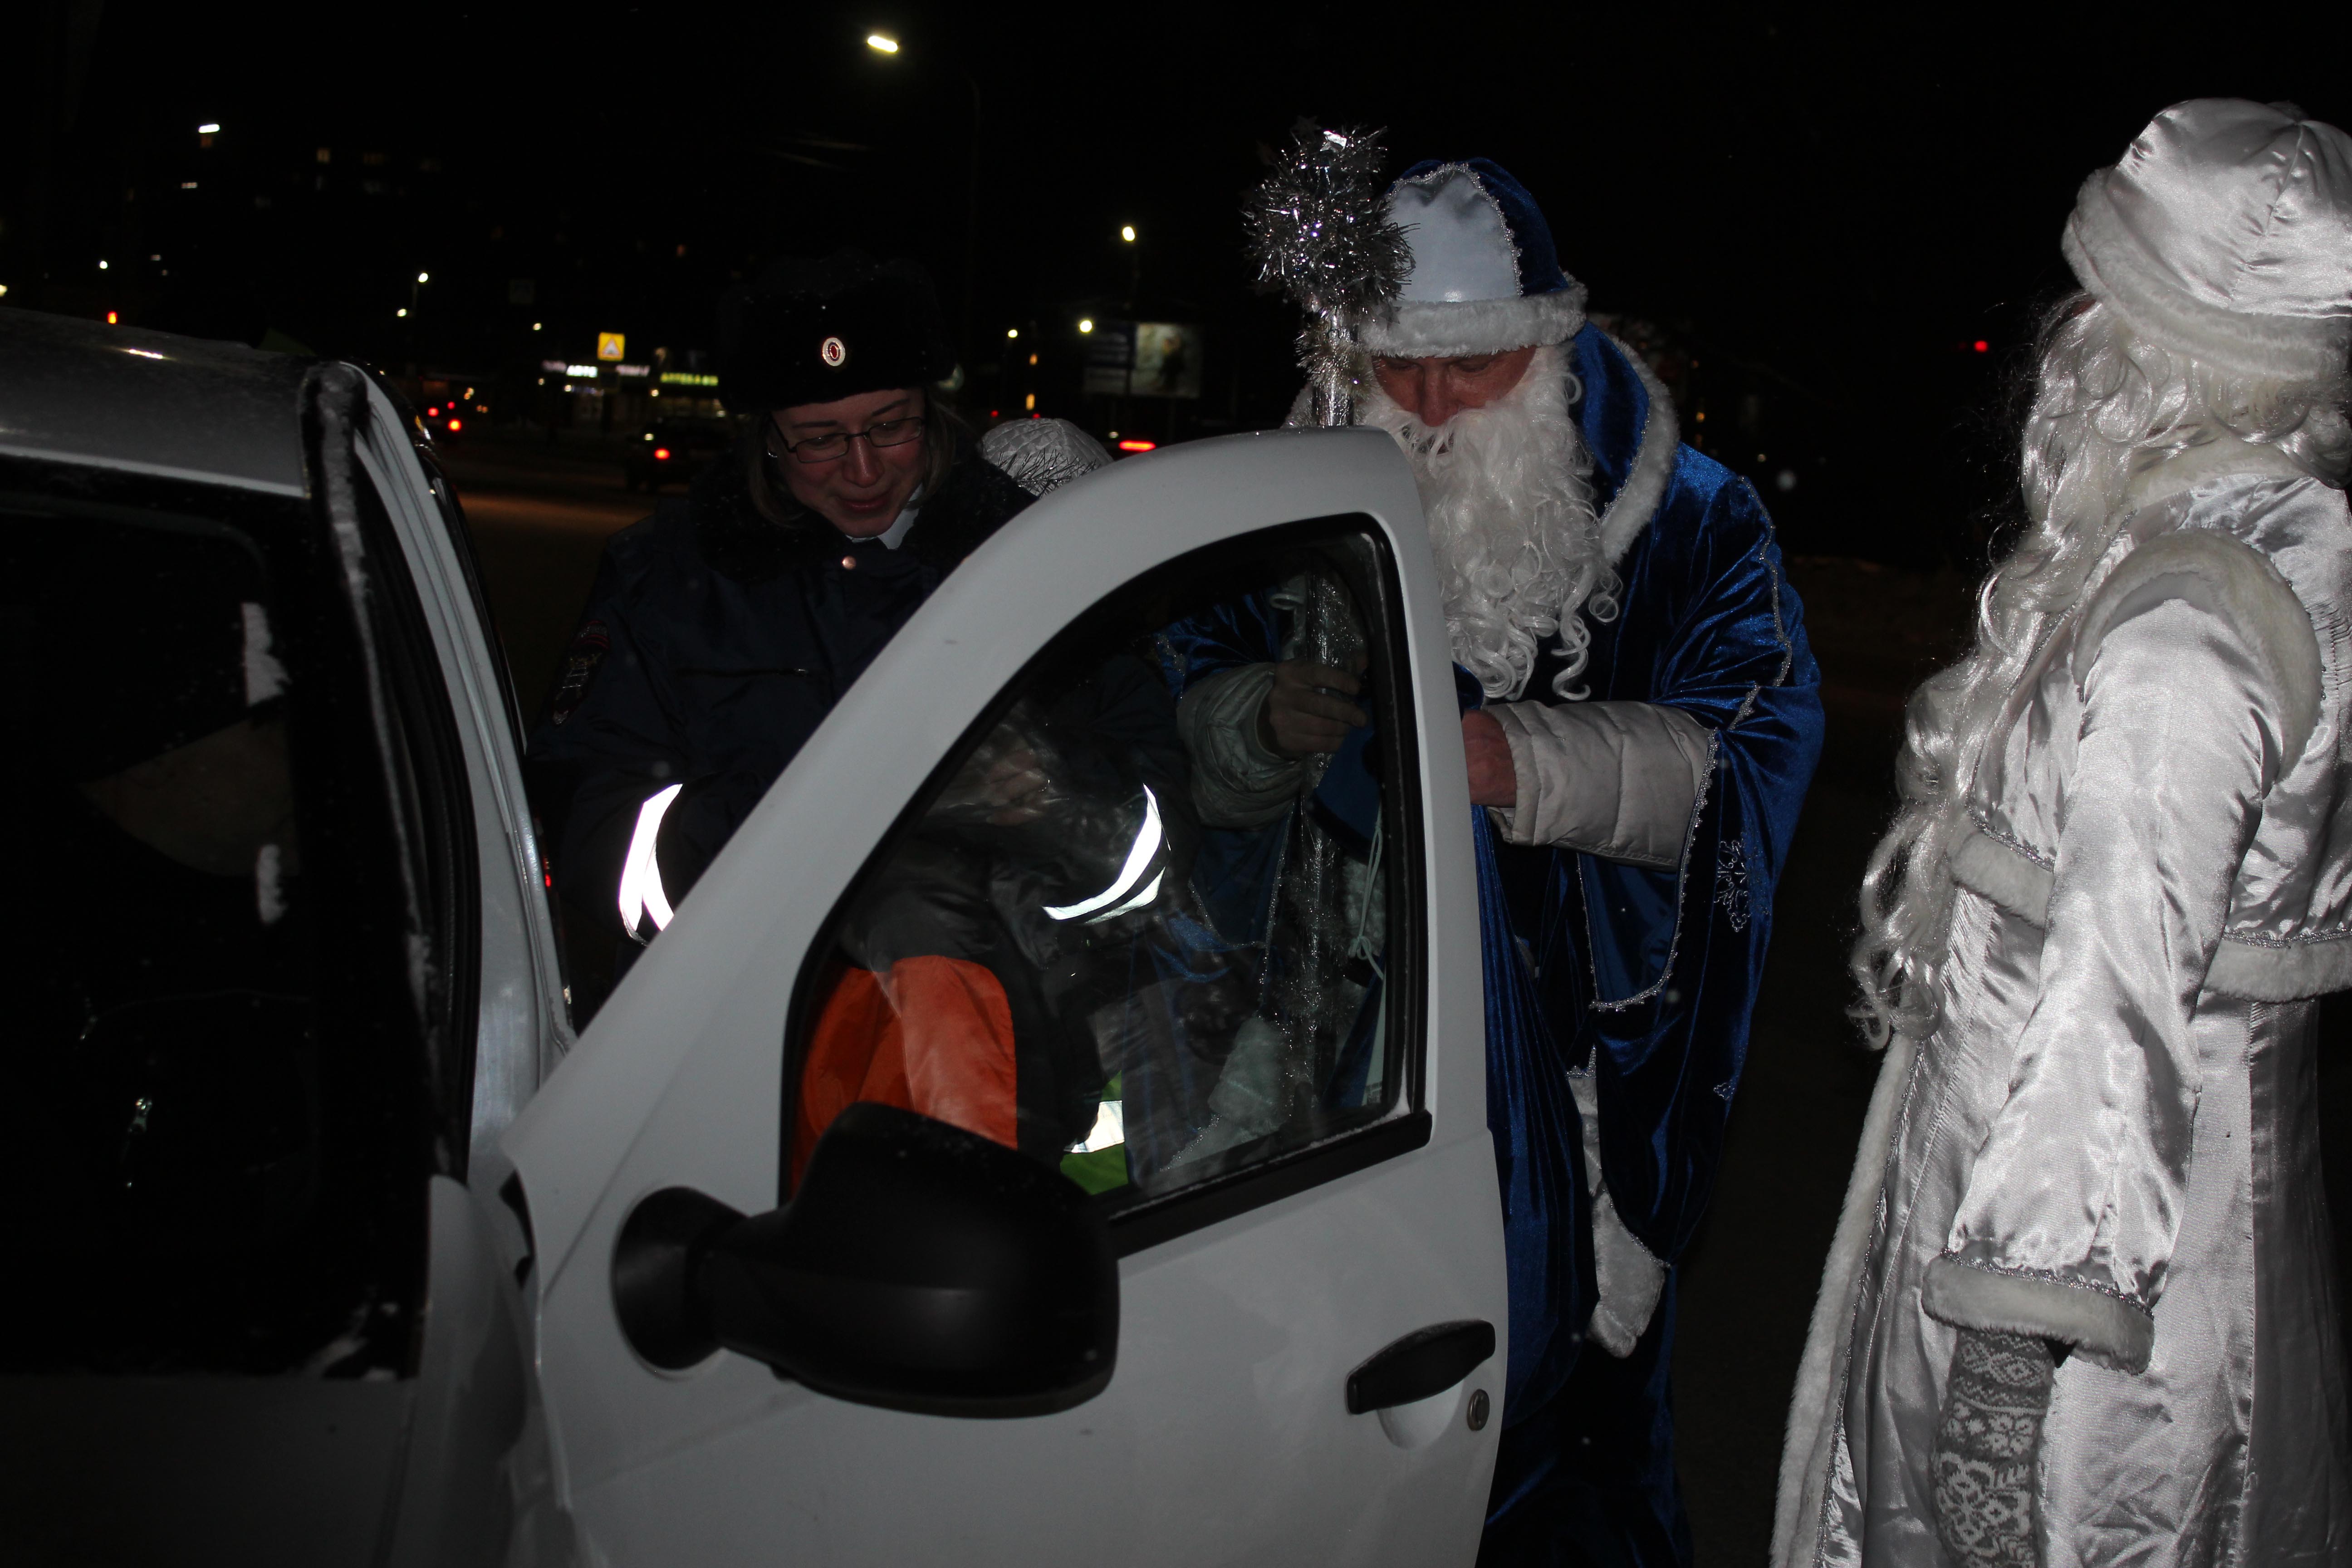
column 330, row 1244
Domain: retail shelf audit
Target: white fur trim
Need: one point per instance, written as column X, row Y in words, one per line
column 2107, row 1328
column 2289, row 974
column 1806, row 1454
column 1985, row 865
column 2214, row 459
column 2287, row 970
column 2235, row 582
column 1637, row 499
column 2112, row 261
column 1627, row 1277
column 1435, row 329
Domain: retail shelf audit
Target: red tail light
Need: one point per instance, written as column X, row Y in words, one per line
column 1138, row 446
column 455, row 424
column 434, row 412
column 661, row 454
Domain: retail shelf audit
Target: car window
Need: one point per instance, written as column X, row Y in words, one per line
column 1116, row 931
column 221, row 1101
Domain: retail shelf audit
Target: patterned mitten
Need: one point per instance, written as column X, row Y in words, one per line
column 1987, row 1445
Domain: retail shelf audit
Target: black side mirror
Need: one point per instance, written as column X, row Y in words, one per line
column 919, row 1267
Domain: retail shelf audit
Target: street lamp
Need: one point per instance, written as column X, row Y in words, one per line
column 1126, row 233
column 887, row 45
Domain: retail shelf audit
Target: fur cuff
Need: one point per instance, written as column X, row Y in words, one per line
column 1438, row 329
column 2107, row 1328
column 1983, row 864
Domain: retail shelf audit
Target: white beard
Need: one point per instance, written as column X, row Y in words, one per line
column 1508, row 492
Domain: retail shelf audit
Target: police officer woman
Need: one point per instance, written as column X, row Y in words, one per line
column 723, row 628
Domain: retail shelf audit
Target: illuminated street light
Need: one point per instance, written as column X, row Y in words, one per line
column 1126, row 233
column 882, row 43
column 102, row 267
column 401, row 312
column 1085, row 324
column 1012, row 332
column 536, row 325
column 424, row 277
column 211, row 128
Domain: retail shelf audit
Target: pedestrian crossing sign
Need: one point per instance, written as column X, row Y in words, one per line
column 609, row 345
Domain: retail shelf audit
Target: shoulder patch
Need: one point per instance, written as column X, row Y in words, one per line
column 580, row 664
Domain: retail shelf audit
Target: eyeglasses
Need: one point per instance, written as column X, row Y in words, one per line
column 833, row 445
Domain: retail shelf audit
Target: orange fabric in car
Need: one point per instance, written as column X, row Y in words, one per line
column 934, row 1036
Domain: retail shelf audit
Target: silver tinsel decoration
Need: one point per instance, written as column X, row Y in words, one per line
column 1321, row 233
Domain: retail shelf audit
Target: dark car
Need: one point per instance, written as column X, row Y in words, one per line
column 670, row 451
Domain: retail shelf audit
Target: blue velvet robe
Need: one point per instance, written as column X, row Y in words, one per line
column 1646, row 976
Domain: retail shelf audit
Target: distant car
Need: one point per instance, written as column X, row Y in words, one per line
column 446, row 419
column 326, row 1243
column 668, row 451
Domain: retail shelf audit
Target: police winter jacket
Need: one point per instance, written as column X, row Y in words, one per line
column 714, row 643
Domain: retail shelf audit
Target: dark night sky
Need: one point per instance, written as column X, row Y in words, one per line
column 1829, row 203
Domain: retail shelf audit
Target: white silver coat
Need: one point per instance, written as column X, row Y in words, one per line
column 2110, row 1138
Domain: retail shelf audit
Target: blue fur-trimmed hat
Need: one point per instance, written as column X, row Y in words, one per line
column 1485, row 278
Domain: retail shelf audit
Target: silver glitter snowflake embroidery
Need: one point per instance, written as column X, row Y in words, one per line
column 1731, row 881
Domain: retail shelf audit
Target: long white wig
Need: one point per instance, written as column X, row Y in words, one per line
column 1507, row 490
column 2106, row 406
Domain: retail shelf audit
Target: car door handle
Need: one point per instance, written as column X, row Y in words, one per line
column 1426, row 1361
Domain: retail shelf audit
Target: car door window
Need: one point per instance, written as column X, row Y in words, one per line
column 1119, row 934
column 234, row 989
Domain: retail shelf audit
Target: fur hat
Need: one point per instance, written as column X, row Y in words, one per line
column 811, row 331
column 1485, row 278
column 2225, row 233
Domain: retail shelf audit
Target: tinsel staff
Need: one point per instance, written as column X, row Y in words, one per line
column 1321, row 233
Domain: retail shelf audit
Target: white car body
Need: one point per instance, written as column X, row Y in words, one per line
column 527, row 1429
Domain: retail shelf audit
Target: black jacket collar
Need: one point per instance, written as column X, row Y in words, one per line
column 974, row 501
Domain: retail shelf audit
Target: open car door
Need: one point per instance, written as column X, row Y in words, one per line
column 1191, row 1007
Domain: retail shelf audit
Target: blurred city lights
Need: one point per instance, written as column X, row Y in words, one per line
column 211, row 128
column 102, row 267
column 403, row 311
column 882, row 43
column 1086, row 326
column 1983, row 347
column 424, row 277
column 1132, row 445
column 111, row 319
column 1012, row 332
column 535, row 326
column 1126, row 233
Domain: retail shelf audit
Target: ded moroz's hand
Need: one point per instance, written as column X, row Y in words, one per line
column 1493, row 781
column 1307, row 709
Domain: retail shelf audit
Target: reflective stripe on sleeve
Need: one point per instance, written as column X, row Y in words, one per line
column 641, row 886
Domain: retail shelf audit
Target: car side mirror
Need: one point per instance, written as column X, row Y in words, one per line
column 919, row 1266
